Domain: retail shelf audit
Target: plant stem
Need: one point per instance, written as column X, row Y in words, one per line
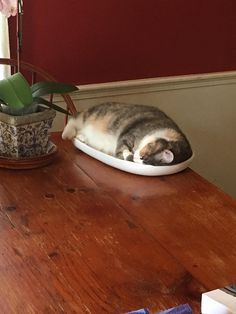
column 19, row 31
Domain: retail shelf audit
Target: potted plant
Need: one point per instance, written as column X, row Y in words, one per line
column 26, row 117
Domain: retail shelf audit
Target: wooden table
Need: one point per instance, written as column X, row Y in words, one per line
column 78, row 236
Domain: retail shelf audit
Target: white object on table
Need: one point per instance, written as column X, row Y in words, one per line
column 218, row 302
column 129, row 166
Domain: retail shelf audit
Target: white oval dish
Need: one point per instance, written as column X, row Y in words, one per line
column 129, row 166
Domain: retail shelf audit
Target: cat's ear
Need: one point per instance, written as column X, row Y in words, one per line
column 166, row 156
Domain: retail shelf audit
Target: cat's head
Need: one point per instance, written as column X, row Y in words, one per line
column 161, row 152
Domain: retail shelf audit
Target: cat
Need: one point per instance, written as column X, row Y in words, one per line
column 138, row 133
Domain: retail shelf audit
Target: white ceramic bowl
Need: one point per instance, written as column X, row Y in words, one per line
column 129, row 166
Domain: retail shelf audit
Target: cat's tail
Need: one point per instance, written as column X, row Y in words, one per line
column 70, row 130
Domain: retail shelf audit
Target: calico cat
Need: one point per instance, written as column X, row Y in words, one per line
column 138, row 133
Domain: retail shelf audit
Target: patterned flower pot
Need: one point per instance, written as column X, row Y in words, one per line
column 25, row 136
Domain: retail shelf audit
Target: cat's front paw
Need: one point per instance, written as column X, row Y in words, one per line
column 137, row 158
column 127, row 155
column 130, row 157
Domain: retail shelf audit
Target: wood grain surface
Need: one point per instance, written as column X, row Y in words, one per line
column 78, row 236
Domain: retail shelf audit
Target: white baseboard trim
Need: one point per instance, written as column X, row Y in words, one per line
column 150, row 85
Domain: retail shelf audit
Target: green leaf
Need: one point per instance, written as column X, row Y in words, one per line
column 42, row 101
column 45, row 88
column 2, row 102
column 15, row 91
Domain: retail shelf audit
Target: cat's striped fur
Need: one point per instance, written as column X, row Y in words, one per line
column 139, row 133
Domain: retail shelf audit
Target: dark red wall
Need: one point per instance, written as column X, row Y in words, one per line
column 90, row 41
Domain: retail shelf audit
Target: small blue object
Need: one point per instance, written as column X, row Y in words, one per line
column 141, row 311
column 181, row 309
